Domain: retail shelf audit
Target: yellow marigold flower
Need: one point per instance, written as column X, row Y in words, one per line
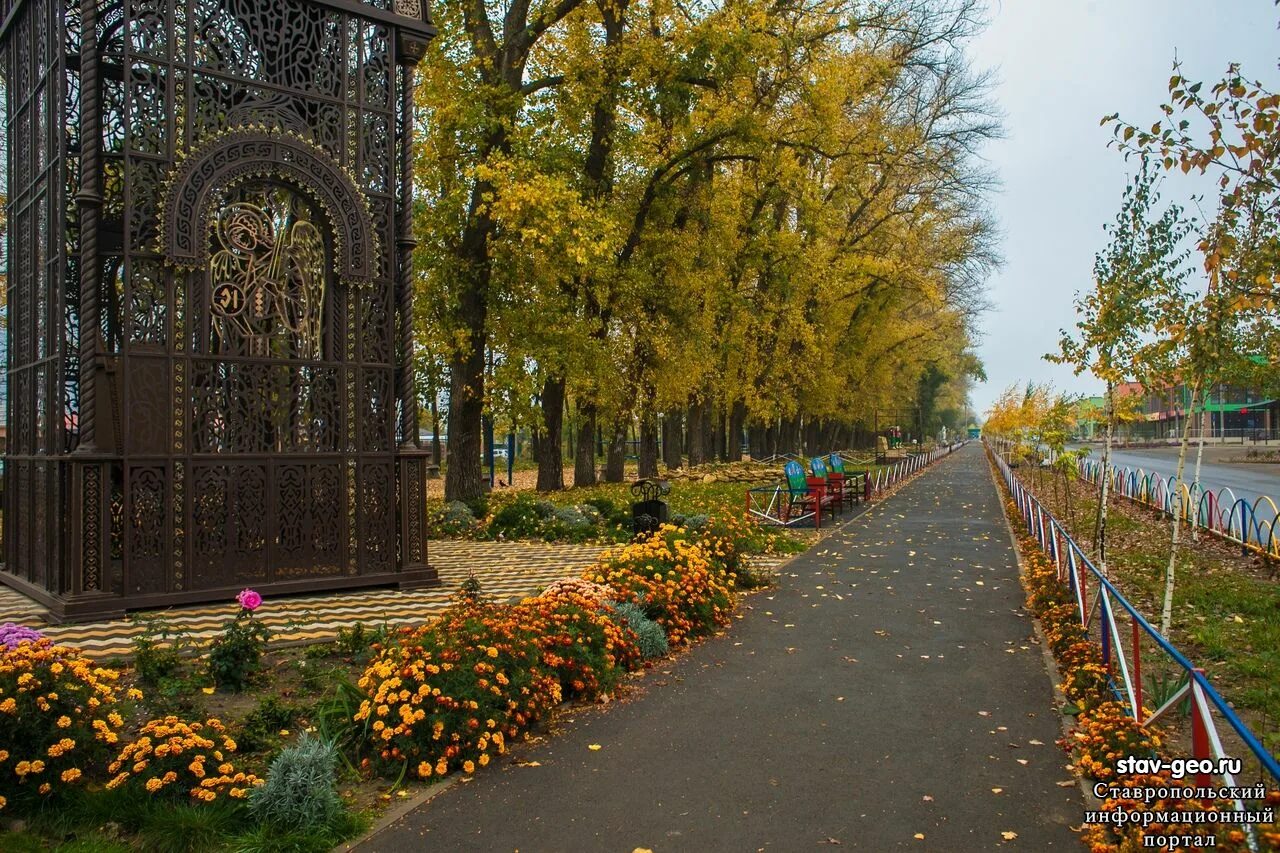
column 45, row 788
column 484, row 760
column 154, row 785
column 228, row 744
column 4, row 756
column 441, row 767
column 22, row 768
column 70, row 775
column 226, row 769
column 37, row 766
column 468, row 766
column 8, row 706
column 424, row 770
column 238, row 793
column 3, row 802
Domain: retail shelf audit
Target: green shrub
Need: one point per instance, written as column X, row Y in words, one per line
column 546, row 509
column 236, row 656
column 520, row 519
column 358, row 640
column 479, row 506
column 261, row 727
column 650, row 636
column 299, row 792
column 456, row 517
column 158, row 651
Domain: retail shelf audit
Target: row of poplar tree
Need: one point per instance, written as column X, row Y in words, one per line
column 698, row 218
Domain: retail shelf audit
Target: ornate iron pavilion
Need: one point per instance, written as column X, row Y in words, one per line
column 210, row 363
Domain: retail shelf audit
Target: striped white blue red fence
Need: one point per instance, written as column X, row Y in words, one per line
column 1098, row 602
column 1250, row 524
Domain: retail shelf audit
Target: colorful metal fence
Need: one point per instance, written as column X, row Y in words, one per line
column 1250, row 524
column 1098, row 603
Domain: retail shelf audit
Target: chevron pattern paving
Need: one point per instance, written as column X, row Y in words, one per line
column 506, row 570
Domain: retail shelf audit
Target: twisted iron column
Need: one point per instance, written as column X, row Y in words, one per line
column 89, row 201
column 405, row 244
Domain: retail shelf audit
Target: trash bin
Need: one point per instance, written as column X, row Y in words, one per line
column 651, row 511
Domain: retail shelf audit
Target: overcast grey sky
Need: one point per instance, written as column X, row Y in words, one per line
column 1061, row 65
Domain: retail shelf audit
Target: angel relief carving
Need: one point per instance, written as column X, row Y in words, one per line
column 267, row 276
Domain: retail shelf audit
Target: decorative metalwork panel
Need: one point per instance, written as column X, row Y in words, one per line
column 268, row 275
column 207, row 276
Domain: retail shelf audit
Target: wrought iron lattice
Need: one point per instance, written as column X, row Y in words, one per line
column 208, row 377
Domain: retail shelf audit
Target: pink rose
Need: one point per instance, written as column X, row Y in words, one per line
column 249, row 600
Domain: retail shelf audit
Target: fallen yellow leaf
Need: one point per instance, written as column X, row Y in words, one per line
column 919, row 836
column 207, row 690
column 1008, row 835
column 593, row 747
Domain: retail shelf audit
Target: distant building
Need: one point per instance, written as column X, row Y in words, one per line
column 1228, row 412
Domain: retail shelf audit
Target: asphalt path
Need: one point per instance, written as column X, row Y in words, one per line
column 889, row 694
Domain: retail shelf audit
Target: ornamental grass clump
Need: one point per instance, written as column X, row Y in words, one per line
column 650, row 637
column 60, row 715
column 176, row 757
column 299, row 792
column 674, row 580
column 587, row 650
column 449, row 695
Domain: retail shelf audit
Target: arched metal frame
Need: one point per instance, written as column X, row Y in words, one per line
column 145, row 467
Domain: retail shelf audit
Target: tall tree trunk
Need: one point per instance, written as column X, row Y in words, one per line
column 1166, row 612
column 463, row 480
column 696, row 435
column 672, row 439
column 550, row 436
column 771, row 438
column 718, row 451
column 435, row 430
column 1195, row 488
column 584, row 461
column 615, row 466
column 737, row 419
column 1100, row 522
column 756, row 437
column 648, row 453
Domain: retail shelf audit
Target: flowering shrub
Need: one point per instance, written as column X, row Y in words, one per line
column 171, row 755
column 447, row 695
column 599, row 593
column 580, row 643
column 1109, row 838
column 59, row 716
column 674, row 580
column 1106, row 733
column 11, row 635
column 235, row 657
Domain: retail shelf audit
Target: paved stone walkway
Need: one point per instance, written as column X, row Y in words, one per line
column 504, row 569
column 889, row 695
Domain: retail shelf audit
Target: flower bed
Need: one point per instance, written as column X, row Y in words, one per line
column 451, row 694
